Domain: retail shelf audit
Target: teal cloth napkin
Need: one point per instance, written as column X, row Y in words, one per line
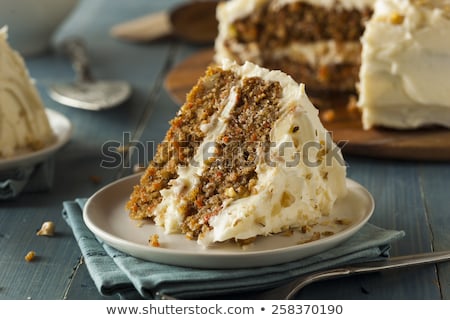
column 33, row 178
column 115, row 272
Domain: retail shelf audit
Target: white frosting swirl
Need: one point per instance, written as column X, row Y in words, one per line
column 23, row 121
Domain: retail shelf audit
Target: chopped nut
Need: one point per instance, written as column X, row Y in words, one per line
column 230, row 192
column 397, row 18
column 47, row 229
column 287, row 199
column 305, row 229
column 30, row 256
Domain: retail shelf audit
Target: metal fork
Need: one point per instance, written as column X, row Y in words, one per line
column 288, row 291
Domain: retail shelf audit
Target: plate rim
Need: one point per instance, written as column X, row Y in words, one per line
column 62, row 129
column 207, row 258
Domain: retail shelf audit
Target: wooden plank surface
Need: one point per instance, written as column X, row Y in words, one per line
column 411, row 196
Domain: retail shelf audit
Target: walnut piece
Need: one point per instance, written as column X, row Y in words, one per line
column 154, row 241
column 47, row 229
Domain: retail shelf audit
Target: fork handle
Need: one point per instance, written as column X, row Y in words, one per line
column 367, row 267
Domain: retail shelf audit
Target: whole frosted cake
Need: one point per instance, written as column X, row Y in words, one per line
column 24, row 125
column 317, row 42
column 405, row 68
column 245, row 156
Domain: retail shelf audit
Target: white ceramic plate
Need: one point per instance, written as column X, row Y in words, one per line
column 62, row 129
column 105, row 215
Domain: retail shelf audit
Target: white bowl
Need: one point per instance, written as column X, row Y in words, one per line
column 31, row 23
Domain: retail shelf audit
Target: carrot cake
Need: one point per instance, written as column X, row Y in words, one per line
column 317, row 42
column 24, row 124
column 406, row 65
column 245, row 156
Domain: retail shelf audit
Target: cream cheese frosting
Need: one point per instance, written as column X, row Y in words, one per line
column 24, row 124
column 240, row 8
column 406, row 64
column 298, row 183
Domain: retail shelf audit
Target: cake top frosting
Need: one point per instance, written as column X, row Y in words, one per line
column 235, row 9
column 412, row 14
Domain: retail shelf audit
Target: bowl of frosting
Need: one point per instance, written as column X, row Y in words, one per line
column 31, row 23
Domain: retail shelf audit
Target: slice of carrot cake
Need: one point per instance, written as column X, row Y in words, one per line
column 245, row 156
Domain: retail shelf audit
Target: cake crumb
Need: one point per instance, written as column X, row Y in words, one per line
column 327, row 233
column 140, row 223
column 342, row 222
column 30, row 256
column 305, row 229
column 314, row 237
column 154, row 241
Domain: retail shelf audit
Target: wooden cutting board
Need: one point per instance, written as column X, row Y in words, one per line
column 431, row 144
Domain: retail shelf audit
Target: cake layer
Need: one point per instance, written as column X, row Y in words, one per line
column 310, row 40
column 406, row 65
column 24, row 125
column 262, row 162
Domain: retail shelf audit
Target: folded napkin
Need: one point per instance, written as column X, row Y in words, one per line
column 115, row 272
column 38, row 177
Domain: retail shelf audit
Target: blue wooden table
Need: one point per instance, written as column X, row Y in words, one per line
column 410, row 196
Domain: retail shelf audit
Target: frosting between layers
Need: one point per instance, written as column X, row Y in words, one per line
column 291, row 191
column 23, row 121
column 406, row 63
column 318, row 53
